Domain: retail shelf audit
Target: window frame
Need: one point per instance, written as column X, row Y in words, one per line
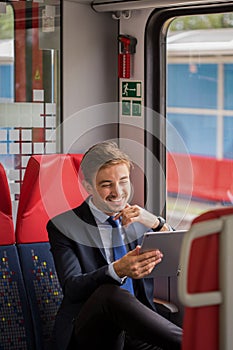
column 155, row 90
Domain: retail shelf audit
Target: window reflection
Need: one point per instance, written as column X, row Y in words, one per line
column 29, row 85
column 199, row 108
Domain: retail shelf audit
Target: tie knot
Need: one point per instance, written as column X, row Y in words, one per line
column 112, row 222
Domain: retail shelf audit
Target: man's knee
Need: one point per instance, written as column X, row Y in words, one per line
column 112, row 294
column 108, row 291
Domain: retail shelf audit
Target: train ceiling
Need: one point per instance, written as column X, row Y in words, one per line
column 108, row 5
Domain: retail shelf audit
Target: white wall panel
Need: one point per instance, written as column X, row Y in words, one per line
column 89, row 73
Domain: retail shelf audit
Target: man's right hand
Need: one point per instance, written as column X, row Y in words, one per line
column 136, row 265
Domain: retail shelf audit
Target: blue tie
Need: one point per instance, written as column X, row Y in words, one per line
column 119, row 249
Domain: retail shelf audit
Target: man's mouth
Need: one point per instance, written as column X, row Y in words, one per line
column 116, row 200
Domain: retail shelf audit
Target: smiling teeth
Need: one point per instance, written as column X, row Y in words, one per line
column 116, row 200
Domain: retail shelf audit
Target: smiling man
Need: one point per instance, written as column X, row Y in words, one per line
column 107, row 303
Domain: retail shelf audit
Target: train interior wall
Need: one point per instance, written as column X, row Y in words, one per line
column 89, row 76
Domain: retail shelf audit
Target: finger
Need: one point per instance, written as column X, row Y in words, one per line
column 154, row 260
column 118, row 215
column 150, row 266
column 133, row 210
column 129, row 210
column 149, row 254
column 148, row 269
column 127, row 220
column 145, row 270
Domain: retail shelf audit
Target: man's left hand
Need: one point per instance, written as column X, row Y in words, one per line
column 134, row 213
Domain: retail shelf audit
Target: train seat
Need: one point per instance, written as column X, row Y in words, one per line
column 6, row 221
column 50, row 186
column 15, row 319
column 205, row 284
column 43, row 289
column 16, row 330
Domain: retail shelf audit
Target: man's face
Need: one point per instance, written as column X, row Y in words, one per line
column 111, row 188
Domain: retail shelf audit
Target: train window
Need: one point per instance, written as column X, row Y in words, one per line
column 199, row 112
column 29, row 84
column 6, row 54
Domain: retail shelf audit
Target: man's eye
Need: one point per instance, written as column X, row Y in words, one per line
column 125, row 182
column 106, row 185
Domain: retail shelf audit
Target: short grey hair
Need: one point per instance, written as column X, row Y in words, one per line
column 100, row 156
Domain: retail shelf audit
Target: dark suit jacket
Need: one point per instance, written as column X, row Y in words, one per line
column 82, row 267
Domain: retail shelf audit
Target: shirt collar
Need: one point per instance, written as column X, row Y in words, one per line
column 98, row 214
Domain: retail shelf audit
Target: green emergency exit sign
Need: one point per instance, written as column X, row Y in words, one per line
column 131, row 89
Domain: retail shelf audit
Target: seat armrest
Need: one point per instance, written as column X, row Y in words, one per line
column 168, row 305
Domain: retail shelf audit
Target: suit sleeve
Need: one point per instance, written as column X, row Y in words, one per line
column 78, row 270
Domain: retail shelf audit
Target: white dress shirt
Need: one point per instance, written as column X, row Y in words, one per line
column 105, row 230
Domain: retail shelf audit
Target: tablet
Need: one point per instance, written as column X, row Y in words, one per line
column 169, row 243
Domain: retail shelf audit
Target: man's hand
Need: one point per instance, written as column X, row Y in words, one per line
column 136, row 265
column 134, row 213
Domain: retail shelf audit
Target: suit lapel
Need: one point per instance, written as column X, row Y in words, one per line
column 90, row 227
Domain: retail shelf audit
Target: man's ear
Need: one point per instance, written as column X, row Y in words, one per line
column 87, row 186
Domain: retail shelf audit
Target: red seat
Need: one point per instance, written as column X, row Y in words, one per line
column 7, row 235
column 50, row 186
column 205, row 282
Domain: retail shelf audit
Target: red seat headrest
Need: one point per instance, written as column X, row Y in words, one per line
column 50, row 186
column 7, row 235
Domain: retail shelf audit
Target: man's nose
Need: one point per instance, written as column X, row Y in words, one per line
column 116, row 190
